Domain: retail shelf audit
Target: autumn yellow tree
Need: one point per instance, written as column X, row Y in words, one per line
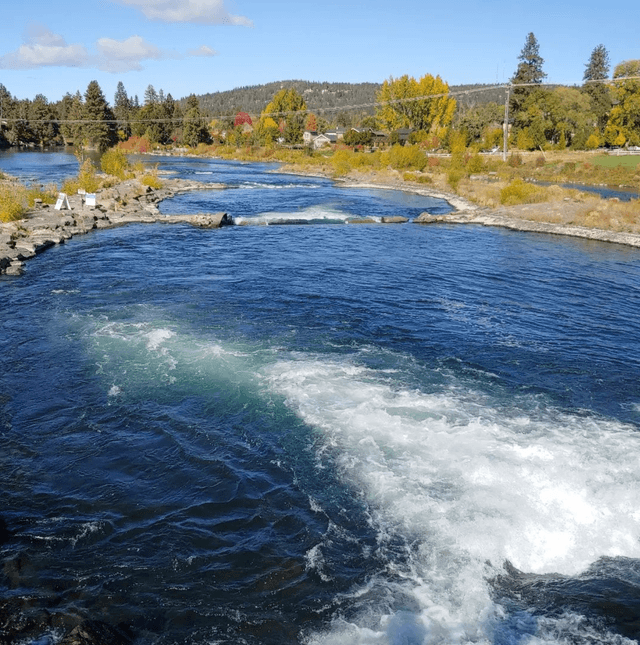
column 422, row 104
column 289, row 109
column 624, row 118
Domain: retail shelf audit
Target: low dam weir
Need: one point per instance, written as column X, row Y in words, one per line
column 219, row 220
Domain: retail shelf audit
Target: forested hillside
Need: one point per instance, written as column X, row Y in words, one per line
column 329, row 97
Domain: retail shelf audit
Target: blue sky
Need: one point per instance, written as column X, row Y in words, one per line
column 200, row 46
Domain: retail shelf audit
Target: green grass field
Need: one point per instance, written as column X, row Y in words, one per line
column 628, row 161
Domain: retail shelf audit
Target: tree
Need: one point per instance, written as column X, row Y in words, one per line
column 480, row 122
column 71, row 112
column 192, row 102
column 150, row 95
column 174, row 115
column 358, row 137
column 567, row 117
column 6, row 108
column 99, row 129
column 312, row 123
column 194, row 128
column 241, row 119
column 623, row 125
column 43, row 122
column 528, row 74
column 122, row 109
column 289, row 108
column 422, row 105
column 595, row 73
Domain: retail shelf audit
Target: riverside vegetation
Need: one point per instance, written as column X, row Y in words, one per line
column 485, row 180
column 17, row 199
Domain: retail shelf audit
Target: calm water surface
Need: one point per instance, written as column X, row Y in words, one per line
column 394, row 435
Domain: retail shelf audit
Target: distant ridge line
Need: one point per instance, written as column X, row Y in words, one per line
column 326, row 96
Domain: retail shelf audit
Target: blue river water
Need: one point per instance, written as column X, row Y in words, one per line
column 380, row 435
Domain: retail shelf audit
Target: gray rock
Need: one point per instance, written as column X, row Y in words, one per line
column 395, row 219
column 211, row 220
column 362, row 220
column 15, row 268
column 428, row 218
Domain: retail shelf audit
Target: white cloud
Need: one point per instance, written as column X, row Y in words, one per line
column 203, row 51
column 208, row 12
column 126, row 55
column 43, row 48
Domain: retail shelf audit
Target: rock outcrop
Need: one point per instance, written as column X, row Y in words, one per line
column 126, row 203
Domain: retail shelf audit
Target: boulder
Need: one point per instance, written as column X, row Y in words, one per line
column 394, row 219
column 361, row 220
column 211, row 220
column 6, row 256
column 428, row 218
column 15, row 268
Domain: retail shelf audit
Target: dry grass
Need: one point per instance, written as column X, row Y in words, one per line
column 13, row 201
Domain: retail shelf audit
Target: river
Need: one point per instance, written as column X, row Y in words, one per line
column 381, row 435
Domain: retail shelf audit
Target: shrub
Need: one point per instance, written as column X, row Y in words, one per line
column 151, row 180
column 454, row 176
column 13, row 202
column 47, row 196
column 521, row 192
column 114, row 162
column 420, row 179
column 136, row 144
column 475, row 164
column 86, row 179
column 341, row 162
column 515, row 160
column 406, row 157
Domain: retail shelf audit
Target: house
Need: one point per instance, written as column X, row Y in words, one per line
column 321, row 140
column 335, row 135
column 315, row 140
column 308, row 136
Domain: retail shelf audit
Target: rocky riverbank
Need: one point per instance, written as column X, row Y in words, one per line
column 131, row 202
column 126, row 203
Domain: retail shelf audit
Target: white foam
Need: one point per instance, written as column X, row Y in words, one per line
column 309, row 214
column 157, row 336
column 473, row 484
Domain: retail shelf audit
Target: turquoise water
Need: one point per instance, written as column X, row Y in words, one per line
column 396, row 435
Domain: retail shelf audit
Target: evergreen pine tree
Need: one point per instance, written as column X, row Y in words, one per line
column 98, row 130
column 596, row 71
column 122, row 110
column 529, row 73
column 150, row 95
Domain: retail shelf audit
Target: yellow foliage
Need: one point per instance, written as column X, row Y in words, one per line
column 594, row 141
column 422, row 105
column 151, row 180
column 47, row 196
column 405, row 157
column 521, row 192
column 115, row 162
column 13, row 202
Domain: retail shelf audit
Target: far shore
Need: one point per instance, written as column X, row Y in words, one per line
column 130, row 202
column 535, row 218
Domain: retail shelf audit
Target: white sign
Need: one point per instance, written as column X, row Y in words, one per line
column 82, row 191
column 90, row 199
column 62, row 203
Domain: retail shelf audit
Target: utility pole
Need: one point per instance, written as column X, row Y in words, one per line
column 505, row 134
